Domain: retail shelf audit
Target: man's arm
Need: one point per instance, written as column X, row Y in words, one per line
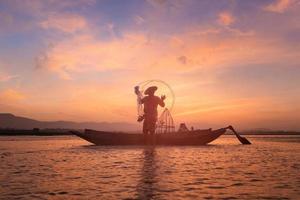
column 143, row 100
column 161, row 101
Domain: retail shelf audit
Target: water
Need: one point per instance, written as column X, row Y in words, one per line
column 70, row 168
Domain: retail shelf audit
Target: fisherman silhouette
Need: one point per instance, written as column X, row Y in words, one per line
column 150, row 109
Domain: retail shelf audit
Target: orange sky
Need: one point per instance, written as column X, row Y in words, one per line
column 228, row 62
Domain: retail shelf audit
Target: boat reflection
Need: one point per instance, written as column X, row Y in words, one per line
column 147, row 183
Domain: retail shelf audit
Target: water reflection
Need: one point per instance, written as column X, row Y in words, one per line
column 57, row 168
column 146, row 185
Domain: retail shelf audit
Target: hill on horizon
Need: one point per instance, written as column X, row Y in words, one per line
column 8, row 120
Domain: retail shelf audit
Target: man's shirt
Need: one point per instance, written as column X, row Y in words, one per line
column 151, row 103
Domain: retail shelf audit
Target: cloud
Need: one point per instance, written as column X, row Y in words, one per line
column 182, row 59
column 209, row 31
column 279, row 6
column 226, row 18
column 66, row 22
column 190, row 50
column 6, row 19
column 216, row 107
column 41, row 7
column 28, row 15
column 6, row 77
column 156, row 2
column 11, row 96
column 139, row 20
column 89, row 54
column 132, row 51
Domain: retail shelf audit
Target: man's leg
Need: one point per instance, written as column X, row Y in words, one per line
column 152, row 131
column 145, row 130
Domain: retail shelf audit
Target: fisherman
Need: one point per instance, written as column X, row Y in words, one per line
column 150, row 109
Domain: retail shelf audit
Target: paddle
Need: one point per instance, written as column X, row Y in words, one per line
column 243, row 140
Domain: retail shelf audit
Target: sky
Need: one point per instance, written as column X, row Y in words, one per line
column 227, row 61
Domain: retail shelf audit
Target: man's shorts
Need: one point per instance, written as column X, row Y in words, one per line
column 149, row 124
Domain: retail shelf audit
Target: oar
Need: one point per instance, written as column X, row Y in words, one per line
column 243, row 140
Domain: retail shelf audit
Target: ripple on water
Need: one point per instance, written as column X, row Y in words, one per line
column 283, row 186
column 62, row 192
column 238, row 184
column 62, row 169
column 216, row 187
column 255, row 180
column 228, row 198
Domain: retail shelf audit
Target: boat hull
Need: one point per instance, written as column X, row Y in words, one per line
column 197, row 137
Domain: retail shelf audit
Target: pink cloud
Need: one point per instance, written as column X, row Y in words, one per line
column 6, row 77
column 41, row 7
column 145, row 54
column 139, row 20
column 11, row 96
column 66, row 22
column 226, row 18
column 279, row 6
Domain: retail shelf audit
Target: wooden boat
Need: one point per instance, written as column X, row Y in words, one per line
column 196, row 137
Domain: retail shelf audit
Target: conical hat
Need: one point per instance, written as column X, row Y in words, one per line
column 149, row 90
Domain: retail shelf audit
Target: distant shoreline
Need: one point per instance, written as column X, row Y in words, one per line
column 34, row 132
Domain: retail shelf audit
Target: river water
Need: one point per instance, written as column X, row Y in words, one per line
column 66, row 167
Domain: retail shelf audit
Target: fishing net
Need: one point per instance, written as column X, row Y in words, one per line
column 165, row 123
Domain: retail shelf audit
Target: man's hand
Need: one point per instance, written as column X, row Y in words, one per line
column 137, row 90
column 163, row 97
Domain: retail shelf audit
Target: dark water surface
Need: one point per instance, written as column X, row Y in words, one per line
column 67, row 167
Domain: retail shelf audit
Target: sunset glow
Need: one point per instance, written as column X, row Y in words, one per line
column 228, row 62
